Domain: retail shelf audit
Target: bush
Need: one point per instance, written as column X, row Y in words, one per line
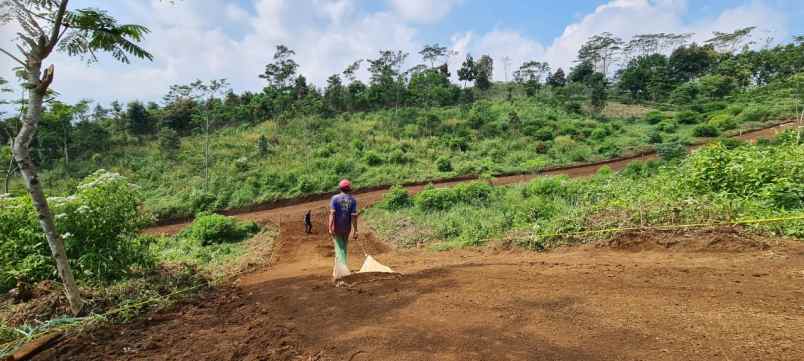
column 653, row 117
column 668, row 126
column 753, row 114
column 439, row 199
column 705, row 131
column 396, row 198
column 671, row 151
column 551, row 187
column 372, row 158
column 435, row 199
column 775, row 174
column 723, row 122
column 210, row 228
column 444, row 164
column 687, row 117
column 99, row 224
column 654, row 137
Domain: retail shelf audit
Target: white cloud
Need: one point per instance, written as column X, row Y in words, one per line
column 625, row 18
column 208, row 39
column 212, row 39
column 423, row 11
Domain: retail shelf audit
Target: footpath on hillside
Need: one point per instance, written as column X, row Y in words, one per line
column 704, row 295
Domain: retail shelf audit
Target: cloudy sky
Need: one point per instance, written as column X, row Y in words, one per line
column 234, row 39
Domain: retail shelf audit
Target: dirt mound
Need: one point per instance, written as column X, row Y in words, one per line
column 720, row 239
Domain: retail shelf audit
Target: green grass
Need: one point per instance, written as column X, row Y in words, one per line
column 310, row 154
column 716, row 184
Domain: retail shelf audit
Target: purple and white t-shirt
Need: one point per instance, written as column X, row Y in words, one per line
column 345, row 206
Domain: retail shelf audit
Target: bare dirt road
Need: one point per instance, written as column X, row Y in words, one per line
column 702, row 296
column 727, row 298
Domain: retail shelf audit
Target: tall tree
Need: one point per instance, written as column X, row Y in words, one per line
column 138, row 120
column 601, row 50
column 557, row 79
column 484, row 72
column 48, row 25
column 282, row 70
column 467, row 70
column 432, row 52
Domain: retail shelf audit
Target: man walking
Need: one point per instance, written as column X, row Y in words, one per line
column 342, row 223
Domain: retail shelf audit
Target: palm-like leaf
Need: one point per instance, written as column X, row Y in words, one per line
column 92, row 30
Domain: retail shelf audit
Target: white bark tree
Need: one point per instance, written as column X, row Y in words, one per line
column 46, row 26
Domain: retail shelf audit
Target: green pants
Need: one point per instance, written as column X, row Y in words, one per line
column 341, row 242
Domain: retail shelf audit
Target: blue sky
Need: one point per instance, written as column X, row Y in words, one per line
column 234, row 39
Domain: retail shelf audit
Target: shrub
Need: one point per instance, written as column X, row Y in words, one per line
column 723, row 122
column 687, row 117
column 211, row 228
column 544, row 134
column 473, row 193
column 399, row 157
column 444, row 164
column 753, row 114
column 653, row 117
column 169, row 142
column 372, row 158
column 99, row 224
column 774, row 174
column 668, row 126
column 600, row 133
column 435, row 199
column 706, row 131
column 654, row 137
column 262, row 145
column 558, row 186
column 396, row 198
column 671, row 151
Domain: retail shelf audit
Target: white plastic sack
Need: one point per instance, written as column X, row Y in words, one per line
column 371, row 265
column 340, row 270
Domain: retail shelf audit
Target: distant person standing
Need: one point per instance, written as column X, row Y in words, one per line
column 342, row 224
column 308, row 223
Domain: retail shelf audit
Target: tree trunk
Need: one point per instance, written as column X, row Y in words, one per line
column 22, row 155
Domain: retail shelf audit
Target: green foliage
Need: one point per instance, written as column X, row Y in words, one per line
column 169, row 142
column 687, row 117
column 671, row 151
column 263, row 146
column 396, row 198
column 210, row 228
column 722, row 122
column 653, row 117
column 775, row 174
column 444, row 164
column 99, row 224
column 439, row 199
column 706, row 130
column 713, row 185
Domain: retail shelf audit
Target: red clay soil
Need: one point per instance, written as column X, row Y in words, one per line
column 582, row 303
column 637, row 297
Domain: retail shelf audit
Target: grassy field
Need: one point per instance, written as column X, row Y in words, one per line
column 310, row 154
column 724, row 182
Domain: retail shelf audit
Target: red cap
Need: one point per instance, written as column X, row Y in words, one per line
column 345, row 185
